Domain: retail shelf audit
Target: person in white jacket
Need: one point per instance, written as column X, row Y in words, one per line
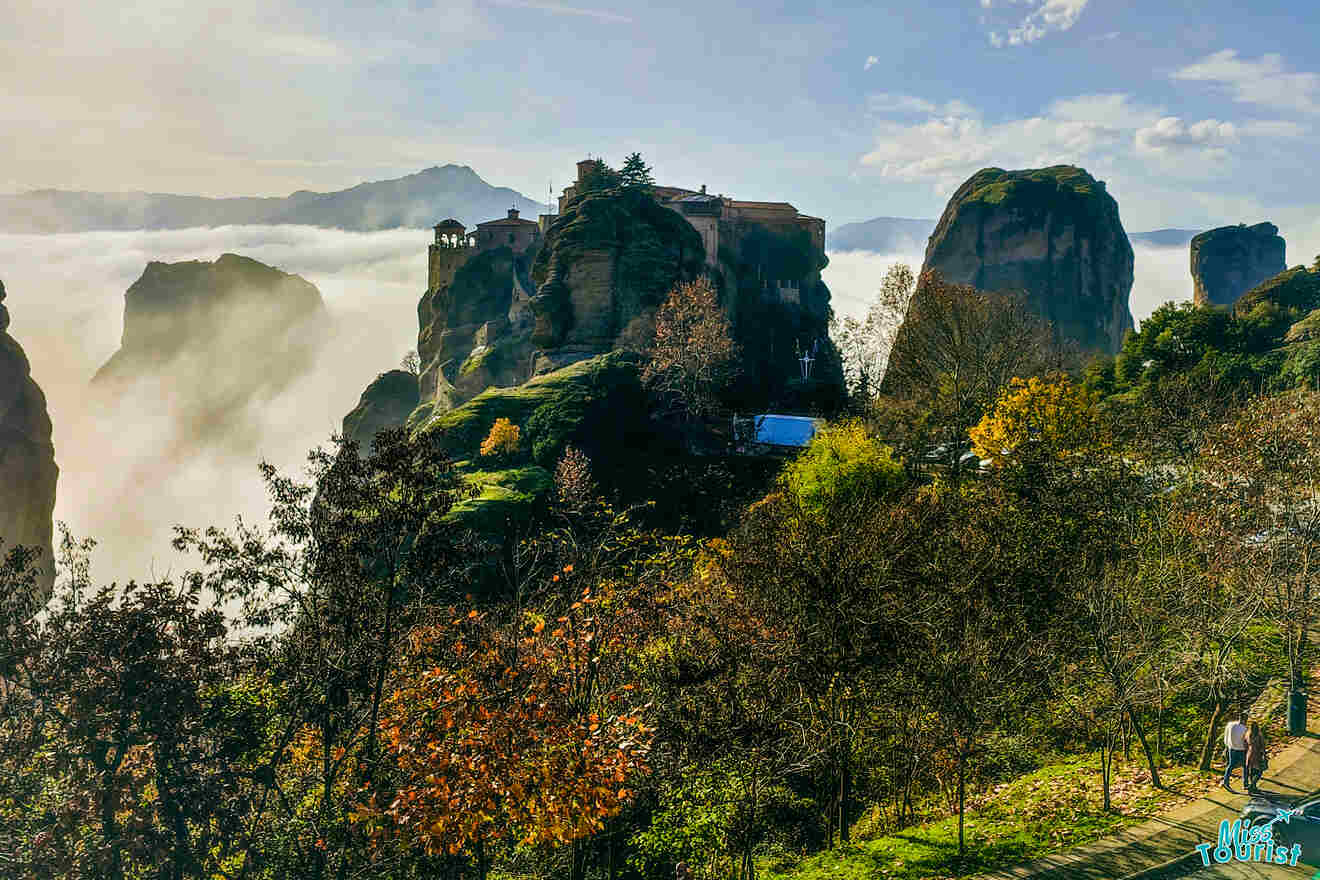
column 1235, row 744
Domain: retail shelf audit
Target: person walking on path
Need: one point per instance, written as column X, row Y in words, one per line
column 1256, row 761
column 1235, row 744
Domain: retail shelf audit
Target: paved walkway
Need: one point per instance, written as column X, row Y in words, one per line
column 1294, row 771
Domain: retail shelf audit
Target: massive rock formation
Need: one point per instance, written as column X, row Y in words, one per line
column 1230, row 260
column 611, row 257
column 27, row 458
column 213, row 338
column 1053, row 233
column 505, row 304
column 387, row 403
column 475, row 327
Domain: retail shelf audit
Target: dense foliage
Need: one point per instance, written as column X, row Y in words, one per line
column 755, row 661
column 1266, row 342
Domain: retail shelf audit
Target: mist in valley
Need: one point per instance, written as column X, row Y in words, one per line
column 132, row 469
column 133, row 466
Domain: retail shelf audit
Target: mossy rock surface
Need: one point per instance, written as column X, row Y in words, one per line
column 1305, row 330
column 466, row 426
column 1039, row 188
column 1296, row 290
column 648, row 248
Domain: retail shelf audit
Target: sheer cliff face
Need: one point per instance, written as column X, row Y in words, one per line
column 1052, row 233
column 610, row 258
column 473, row 330
column 27, row 458
column 1229, row 261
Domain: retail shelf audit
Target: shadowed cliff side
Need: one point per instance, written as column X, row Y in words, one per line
column 28, row 472
column 1229, row 261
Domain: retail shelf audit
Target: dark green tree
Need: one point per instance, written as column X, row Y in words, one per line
column 636, row 172
column 599, row 176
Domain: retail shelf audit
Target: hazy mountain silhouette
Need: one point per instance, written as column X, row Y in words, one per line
column 416, row 201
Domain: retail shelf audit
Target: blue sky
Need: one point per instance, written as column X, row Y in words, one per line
column 1196, row 113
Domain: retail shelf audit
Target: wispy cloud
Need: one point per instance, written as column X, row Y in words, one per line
column 561, row 9
column 1046, row 17
column 891, row 103
column 1172, row 133
column 1265, row 81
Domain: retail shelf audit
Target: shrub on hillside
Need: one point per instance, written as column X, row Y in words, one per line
column 843, row 464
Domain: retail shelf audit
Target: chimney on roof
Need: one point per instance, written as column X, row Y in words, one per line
column 703, row 189
column 513, row 213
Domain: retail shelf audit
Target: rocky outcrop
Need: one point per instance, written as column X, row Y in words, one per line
column 214, row 338
column 496, row 317
column 175, row 308
column 387, row 403
column 27, row 459
column 474, row 330
column 1228, row 261
column 1052, row 233
column 611, row 256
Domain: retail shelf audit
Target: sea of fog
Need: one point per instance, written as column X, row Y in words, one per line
column 117, row 485
column 66, row 297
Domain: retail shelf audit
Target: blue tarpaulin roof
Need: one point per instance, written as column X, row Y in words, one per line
column 785, row 430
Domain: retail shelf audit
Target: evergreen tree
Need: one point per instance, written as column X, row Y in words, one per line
column 636, row 172
column 599, row 176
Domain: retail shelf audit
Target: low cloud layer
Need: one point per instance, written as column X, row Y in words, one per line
column 118, row 483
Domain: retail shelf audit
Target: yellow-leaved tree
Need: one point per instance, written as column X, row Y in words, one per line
column 502, row 441
column 1056, row 413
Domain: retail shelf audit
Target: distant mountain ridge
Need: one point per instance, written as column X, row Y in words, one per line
column 416, row 201
column 887, row 235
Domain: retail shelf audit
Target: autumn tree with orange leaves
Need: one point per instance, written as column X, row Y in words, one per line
column 516, row 732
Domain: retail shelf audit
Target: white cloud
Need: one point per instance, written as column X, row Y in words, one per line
column 946, row 143
column 1046, row 17
column 1113, row 111
column 1264, row 82
column 1172, row 133
column 871, row 61
column 889, row 104
column 945, row 149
